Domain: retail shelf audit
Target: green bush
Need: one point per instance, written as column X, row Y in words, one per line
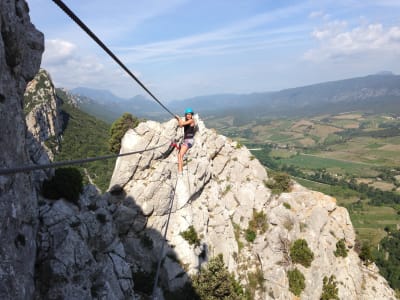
column 366, row 254
column 66, row 183
column 215, row 282
column 280, row 183
column 330, row 290
column 300, row 253
column 296, row 281
column 259, row 222
column 190, row 235
column 250, row 235
column 119, row 128
column 287, row 205
column 341, row 249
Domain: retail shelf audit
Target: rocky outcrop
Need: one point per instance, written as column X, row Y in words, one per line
column 80, row 255
column 21, row 47
column 221, row 192
column 44, row 121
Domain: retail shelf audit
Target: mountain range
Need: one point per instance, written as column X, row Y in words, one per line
column 373, row 93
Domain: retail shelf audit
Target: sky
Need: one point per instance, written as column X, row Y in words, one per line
column 185, row 48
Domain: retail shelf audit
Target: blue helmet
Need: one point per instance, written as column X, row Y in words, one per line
column 189, row 111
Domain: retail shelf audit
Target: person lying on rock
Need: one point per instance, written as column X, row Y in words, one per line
column 188, row 136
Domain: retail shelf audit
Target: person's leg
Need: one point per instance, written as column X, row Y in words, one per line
column 182, row 151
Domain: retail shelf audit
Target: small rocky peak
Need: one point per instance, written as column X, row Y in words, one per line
column 224, row 204
column 42, row 110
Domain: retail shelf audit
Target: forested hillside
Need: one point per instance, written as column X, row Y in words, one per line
column 85, row 136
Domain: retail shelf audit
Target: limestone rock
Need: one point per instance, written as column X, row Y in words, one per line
column 222, row 189
column 79, row 253
column 44, row 122
column 21, row 47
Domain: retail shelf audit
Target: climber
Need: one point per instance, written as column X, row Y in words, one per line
column 188, row 136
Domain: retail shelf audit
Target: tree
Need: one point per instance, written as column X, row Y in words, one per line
column 300, row 253
column 215, row 282
column 118, row 130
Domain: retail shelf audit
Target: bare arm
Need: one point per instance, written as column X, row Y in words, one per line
column 183, row 123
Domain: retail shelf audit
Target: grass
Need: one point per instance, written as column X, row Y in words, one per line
column 311, row 162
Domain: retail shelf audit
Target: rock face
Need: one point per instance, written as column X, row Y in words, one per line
column 80, row 255
column 221, row 191
column 43, row 119
column 21, row 47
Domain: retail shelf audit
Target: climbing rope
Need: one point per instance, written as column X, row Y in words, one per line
column 171, row 202
column 28, row 168
column 107, row 50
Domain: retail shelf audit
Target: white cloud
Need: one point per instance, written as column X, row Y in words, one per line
column 336, row 41
column 319, row 14
column 70, row 67
column 58, row 50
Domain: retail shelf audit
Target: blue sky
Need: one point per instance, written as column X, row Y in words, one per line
column 185, row 48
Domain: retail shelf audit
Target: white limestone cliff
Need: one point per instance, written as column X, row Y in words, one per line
column 222, row 185
column 43, row 121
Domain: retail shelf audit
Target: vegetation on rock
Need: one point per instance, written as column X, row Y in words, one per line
column 280, row 183
column 330, row 290
column 341, row 249
column 257, row 224
column 300, row 253
column 190, row 235
column 296, row 281
column 215, row 282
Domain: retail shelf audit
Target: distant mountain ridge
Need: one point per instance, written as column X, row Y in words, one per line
column 375, row 93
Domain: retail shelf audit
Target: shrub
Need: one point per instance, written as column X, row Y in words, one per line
column 256, row 282
column 250, row 235
column 259, row 222
column 280, row 183
column 296, row 281
column 215, row 282
column 66, row 183
column 300, row 253
column 366, row 254
column 341, row 249
column 118, row 130
column 190, row 235
column 287, row 205
column 330, row 290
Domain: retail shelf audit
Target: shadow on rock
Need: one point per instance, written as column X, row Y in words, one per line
column 103, row 249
